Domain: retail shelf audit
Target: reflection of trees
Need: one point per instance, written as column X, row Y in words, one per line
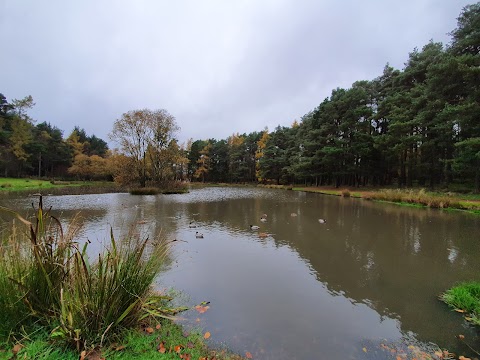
column 396, row 259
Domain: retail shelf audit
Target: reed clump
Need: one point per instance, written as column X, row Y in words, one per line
column 416, row 197
column 48, row 279
column 175, row 187
column 465, row 298
column 166, row 187
column 145, row 191
column 345, row 193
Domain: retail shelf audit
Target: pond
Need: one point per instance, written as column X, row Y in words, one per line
column 362, row 284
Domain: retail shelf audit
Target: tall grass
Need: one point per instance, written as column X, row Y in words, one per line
column 14, row 311
column 145, row 191
column 416, row 197
column 165, row 187
column 46, row 278
column 465, row 297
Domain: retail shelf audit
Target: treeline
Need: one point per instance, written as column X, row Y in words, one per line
column 416, row 126
column 29, row 149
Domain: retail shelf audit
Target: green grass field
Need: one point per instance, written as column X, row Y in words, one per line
column 13, row 184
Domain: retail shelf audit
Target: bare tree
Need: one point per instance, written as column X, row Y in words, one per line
column 145, row 133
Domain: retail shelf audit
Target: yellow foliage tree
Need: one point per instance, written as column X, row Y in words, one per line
column 203, row 162
column 261, row 145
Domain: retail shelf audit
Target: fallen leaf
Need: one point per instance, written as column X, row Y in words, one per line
column 186, row 334
column 461, row 337
column 149, row 330
column 82, row 355
column 207, row 335
column 178, row 348
column 248, row 355
column 161, row 348
column 158, row 326
column 201, row 309
column 16, row 349
column 460, row 310
column 464, row 358
column 119, row 348
column 364, row 349
column 190, row 345
column 197, row 319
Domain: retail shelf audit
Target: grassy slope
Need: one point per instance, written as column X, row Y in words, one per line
column 136, row 344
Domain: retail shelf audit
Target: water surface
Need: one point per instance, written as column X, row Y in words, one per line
column 369, row 275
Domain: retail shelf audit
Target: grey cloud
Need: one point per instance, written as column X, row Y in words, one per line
column 219, row 67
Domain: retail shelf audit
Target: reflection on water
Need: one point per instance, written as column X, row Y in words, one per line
column 370, row 274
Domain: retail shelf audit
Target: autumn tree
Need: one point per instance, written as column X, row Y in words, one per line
column 260, row 153
column 145, row 136
column 89, row 167
column 203, row 162
column 236, row 160
column 117, row 163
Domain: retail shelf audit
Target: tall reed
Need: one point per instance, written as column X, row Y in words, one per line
column 85, row 304
column 416, row 197
column 14, row 311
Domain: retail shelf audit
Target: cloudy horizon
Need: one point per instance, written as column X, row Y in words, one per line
column 218, row 67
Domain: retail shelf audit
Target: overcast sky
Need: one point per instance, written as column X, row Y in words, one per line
column 220, row 66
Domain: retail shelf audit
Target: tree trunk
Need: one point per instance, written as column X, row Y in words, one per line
column 477, row 179
column 39, row 165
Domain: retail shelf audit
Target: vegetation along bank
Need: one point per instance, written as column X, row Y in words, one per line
column 416, row 126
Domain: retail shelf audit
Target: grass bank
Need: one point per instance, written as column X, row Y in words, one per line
column 162, row 340
column 464, row 298
column 11, row 185
column 419, row 197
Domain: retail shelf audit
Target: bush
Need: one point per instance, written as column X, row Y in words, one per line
column 52, row 282
column 6, row 185
column 465, row 296
column 175, row 187
column 145, row 191
column 345, row 193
